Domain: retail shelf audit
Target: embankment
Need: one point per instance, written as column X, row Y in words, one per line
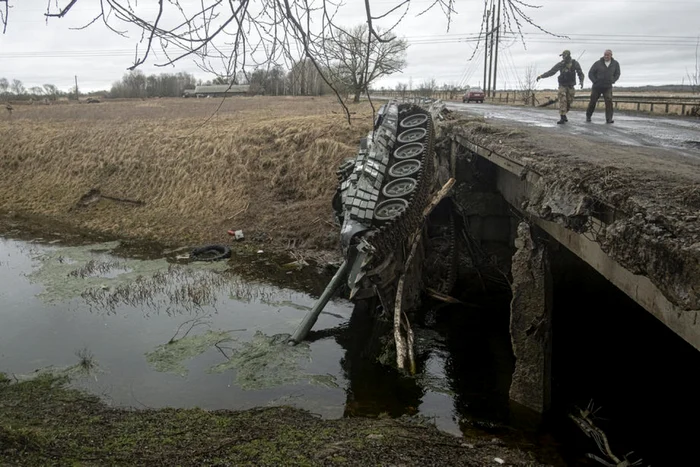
column 182, row 171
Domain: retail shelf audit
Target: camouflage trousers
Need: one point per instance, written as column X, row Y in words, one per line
column 566, row 98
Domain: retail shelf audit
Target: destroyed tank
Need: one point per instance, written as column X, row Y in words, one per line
column 381, row 196
column 379, row 204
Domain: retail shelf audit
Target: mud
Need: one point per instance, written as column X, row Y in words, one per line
column 652, row 193
column 44, row 423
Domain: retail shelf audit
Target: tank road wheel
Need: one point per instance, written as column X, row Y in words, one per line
column 390, row 209
column 399, row 187
column 414, row 120
column 412, row 135
column 405, row 168
column 408, row 151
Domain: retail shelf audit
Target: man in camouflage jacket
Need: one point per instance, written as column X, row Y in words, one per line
column 568, row 68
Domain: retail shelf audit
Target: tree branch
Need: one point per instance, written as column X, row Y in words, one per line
column 63, row 12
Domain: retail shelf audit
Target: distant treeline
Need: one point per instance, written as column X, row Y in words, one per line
column 662, row 88
column 303, row 79
column 16, row 90
column 137, row 84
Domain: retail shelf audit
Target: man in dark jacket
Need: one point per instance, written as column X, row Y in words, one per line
column 604, row 73
column 568, row 69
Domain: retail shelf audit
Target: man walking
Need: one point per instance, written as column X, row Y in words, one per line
column 604, row 73
column 568, row 69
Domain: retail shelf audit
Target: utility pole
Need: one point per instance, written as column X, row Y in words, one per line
column 493, row 23
column 486, row 48
column 77, row 94
column 498, row 29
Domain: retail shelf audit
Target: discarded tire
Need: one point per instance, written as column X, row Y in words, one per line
column 211, row 253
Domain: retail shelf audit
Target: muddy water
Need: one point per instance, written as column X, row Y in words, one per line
column 167, row 332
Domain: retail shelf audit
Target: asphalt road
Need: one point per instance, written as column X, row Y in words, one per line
column 680, row 134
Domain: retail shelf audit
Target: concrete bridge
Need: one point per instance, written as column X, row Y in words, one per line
column 624, row 198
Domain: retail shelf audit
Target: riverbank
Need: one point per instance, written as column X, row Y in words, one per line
column 44, row 423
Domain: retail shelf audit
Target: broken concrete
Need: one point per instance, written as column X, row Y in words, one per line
column 531, row 322
column 647, row 198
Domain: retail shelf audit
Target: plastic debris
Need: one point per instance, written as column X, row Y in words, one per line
column 295, row 265
column 499, row 460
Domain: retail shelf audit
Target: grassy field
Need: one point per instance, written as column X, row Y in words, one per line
column 188, row 171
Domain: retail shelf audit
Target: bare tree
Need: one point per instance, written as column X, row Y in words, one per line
column 17, row 87
column 355, row 61
column 694, row 75
column 428, row 87
column 694, row 78
column 527, row 85
column 4, row 85
column 226, row 36
column 402, row 87
column 51, row 90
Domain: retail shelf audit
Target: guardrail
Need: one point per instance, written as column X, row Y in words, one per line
column 687, row 102
column 683, row 105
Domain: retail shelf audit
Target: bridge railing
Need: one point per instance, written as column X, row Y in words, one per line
column 679, row 105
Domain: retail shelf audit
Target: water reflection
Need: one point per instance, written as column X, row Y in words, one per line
column 174, row 334
column 374, row 388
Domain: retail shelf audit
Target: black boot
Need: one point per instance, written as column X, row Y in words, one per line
column 562, row 120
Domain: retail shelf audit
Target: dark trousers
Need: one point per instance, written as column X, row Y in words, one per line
column 596, row 91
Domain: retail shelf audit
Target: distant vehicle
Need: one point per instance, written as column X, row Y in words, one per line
column 474, row 94
column 93, row 100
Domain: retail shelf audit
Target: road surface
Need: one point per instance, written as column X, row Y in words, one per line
column 680, row 134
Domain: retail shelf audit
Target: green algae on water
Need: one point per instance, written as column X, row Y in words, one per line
column 170, row 357
column 266, row 361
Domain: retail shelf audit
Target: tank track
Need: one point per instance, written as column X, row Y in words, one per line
column 387, row 236
column 383, row 191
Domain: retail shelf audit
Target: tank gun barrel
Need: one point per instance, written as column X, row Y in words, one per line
column 311, row 317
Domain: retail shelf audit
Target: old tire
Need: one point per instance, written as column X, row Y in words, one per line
column 211, row 253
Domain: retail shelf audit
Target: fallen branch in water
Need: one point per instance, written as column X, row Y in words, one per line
column 584, row 420
column 404, row 345
column 441, row 296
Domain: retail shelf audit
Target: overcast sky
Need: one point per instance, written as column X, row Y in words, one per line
column 654, row 41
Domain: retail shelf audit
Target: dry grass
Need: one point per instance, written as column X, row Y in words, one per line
column 275, row 156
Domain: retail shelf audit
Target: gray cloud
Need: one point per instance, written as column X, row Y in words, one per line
column 655, row 42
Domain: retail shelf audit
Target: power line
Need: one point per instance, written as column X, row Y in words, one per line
column 610, row 39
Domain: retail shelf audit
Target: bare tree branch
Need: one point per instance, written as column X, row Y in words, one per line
column 88, row 24
column 4, row 15
column 150, row 39
column 227, row 37
column 63, row 12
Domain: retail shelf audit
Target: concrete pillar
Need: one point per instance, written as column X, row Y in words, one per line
column 531, row 322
